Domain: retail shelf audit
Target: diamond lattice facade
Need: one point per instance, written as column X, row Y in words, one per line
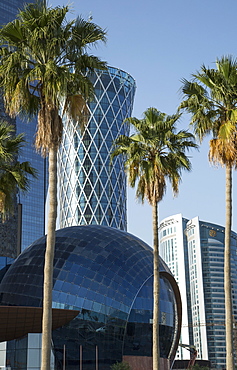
column 92, row 189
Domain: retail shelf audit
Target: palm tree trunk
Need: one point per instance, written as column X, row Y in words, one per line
column 156, row 289
column 227, row 273
column 48, row 264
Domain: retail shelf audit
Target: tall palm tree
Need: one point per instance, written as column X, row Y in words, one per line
column 14, row 175
column 44, row 69
column 211, row 99
column 155, row 153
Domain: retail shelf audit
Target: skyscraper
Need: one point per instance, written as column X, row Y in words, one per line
column 33, row 203
column 9, row 9
column 194, row 251
column 92, row 190
column 173, row 248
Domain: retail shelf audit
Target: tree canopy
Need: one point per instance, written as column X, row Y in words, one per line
column 211, row 99
column 14, row 175
column 45, row 66
column 154, row 153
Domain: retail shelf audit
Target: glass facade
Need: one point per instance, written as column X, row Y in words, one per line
column 201, row 245
column 33, row 203
column 212, row 249
column 173, row 249
column 9, row 9
column 106, row 274
column 24, row 352
column 92, row 190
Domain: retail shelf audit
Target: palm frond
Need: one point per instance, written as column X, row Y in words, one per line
column 14, row 175
column 211, row 99
column 43, row 62
column 154, row 153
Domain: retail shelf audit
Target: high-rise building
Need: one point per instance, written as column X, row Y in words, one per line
column 194, row 251
column 173, row 248
column 92, row 190
column 33, row 202
column 31, row 214
column 9, row 9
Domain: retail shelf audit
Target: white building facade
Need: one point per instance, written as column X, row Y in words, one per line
column 194, row 252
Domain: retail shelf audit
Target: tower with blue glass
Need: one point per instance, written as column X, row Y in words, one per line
column 194, row 252
column 92, row 190
column 31, row 214
column 9, row 9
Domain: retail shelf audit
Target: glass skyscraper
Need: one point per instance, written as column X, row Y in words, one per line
column 92, row 190
column 9, row 9
column 194, row 251
column 32, row 203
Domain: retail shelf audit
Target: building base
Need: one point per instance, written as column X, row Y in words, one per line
column 145, row 363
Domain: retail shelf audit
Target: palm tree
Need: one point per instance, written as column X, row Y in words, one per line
column 154, row 154
column 14, row 175
column 44, row 69
column 211, row 99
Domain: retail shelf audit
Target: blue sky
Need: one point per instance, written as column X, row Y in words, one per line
column 159, row 43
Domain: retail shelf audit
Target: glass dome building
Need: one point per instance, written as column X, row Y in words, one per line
column 104, row 275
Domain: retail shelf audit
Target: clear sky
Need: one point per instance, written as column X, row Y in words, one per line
column 159, row 42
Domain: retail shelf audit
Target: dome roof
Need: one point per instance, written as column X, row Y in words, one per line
column 92, row 264
column 105, row 276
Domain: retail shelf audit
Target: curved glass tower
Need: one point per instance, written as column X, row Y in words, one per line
column 92, row 189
